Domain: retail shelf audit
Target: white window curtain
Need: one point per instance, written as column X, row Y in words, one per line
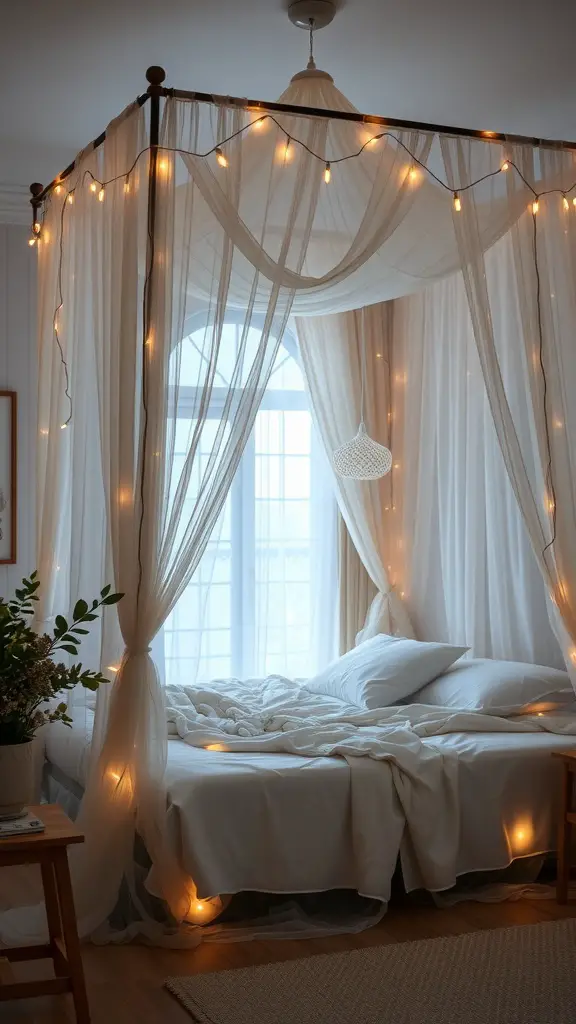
column 467, row 567
column 331, row 355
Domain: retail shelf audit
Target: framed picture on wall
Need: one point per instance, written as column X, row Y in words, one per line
column 8, row 481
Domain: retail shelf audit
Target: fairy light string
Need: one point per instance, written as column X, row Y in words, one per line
column 98, row 188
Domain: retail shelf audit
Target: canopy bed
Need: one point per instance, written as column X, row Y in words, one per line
column 279, row 822
column 193, row 204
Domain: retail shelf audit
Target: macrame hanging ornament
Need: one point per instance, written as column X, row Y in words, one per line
column 362, row 458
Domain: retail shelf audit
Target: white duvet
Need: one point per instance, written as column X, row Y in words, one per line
column 411, row 803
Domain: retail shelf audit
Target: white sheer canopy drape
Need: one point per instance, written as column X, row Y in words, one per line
column 331, row 355
column 467, row 567
column 529, row 384
column 261, row 235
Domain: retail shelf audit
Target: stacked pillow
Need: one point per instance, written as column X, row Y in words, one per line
column 499, row 688
column 386, row 671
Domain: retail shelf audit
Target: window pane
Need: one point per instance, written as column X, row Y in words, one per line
column 297, row 427
column 248, row 609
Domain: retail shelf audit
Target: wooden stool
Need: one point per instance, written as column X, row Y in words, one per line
column 49, row 849
column 566, row 820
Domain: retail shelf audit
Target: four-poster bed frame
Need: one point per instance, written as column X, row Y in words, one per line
column 156, row 75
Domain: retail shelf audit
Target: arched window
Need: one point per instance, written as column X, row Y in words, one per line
column 263, row 599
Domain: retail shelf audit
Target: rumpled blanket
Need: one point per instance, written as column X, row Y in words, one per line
column 410, row 805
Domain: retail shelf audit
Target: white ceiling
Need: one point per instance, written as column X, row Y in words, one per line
column 68, row 66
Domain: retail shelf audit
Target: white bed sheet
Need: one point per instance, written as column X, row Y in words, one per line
column 282, row 823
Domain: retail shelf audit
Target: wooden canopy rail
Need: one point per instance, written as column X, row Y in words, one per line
column 155, row 76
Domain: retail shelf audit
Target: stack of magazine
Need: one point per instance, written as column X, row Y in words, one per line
column 24, row 826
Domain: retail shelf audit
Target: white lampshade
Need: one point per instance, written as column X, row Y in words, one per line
column 362, row 458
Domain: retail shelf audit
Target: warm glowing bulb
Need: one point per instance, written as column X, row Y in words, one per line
column 70, row 198
column 535, row 207
column 31, row 241
column 372, row 140
column 36, row 228
column 101, row 195
column 93, row 186
column 44, row 431
column 396, row 465
column 574, row 201
column 378, row 355
column 220, row 158
column 163, row 166
column 457, row 202
column 287, row 150
column 565, row 203
column 58, row 189
column 413, row 175
column 63, row 426
column 327, row 173
column 259, row 123
column 126, row 186
column 505, row 166
column 112, row 668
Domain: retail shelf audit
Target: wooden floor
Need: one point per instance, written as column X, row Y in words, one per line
column 125, row 984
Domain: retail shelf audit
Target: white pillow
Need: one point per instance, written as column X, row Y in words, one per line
column 383, row 670
column 499, row 687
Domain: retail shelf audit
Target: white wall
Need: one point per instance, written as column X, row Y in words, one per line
column 18, row 373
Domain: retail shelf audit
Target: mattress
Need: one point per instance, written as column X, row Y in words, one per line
column 281, row 823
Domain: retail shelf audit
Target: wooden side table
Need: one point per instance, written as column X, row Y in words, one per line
column 49, row 850
column 566, row 820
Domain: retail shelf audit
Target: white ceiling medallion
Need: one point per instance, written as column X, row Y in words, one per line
column 319, row 12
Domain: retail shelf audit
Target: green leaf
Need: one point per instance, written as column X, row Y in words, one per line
column 88, row 617
column 34, row 574
column 90, row 683
column 69, row 649
column 68, row 637
column 105, row 590
column 77, row 629
column 19, row 594
column 80, row 609
column 61, row 623
column 113, row 599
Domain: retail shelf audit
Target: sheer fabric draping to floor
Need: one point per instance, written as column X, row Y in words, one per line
column 266, row 235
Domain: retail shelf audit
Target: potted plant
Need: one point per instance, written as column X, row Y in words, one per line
column 30, row 677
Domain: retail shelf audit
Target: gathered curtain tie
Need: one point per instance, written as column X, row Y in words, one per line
column 133, row 651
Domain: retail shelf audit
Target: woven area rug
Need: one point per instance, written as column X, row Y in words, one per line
column 521, row 975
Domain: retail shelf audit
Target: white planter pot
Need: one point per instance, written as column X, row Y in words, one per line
column 16, row 778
